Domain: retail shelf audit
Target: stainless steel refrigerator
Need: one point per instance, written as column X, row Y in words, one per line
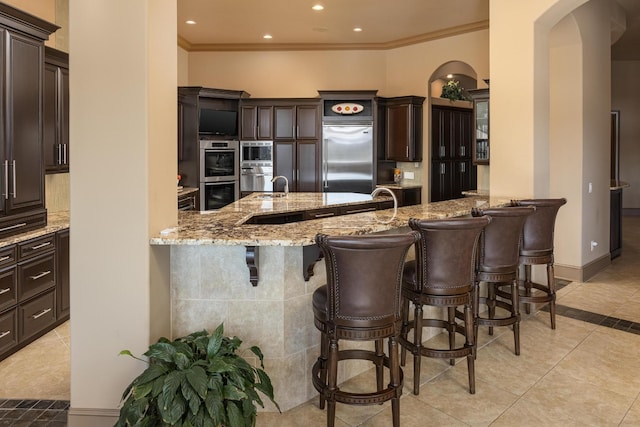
column 347, row 158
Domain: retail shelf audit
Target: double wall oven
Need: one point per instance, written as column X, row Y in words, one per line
column 256, row 166
column 219, row 173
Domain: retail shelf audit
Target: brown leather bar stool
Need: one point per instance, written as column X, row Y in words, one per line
column 442, row 275
column 360, row 302
column 498, row 267
column 537, row 248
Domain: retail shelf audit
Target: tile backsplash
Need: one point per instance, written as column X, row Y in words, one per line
column 57, row 192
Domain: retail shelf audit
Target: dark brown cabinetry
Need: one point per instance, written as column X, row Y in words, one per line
column 480, row 126
column 34, row 289
column 403, row 128
column 297, row 145
column 191, row 100
column 615, row 229
column 188, row 200
column 56, row 111
column 21, row 163
column 299, row 162
column 296, row 121
column 62, row 279
column 452, row 168
column 256, row 122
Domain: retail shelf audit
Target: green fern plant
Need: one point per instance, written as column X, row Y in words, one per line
column 196, row 381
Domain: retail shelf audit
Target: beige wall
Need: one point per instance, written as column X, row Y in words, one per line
column 123, row 127
column 625, row 97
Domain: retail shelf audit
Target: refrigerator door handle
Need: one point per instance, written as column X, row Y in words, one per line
column 325, row 166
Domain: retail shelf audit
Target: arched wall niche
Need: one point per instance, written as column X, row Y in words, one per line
column 459, row 70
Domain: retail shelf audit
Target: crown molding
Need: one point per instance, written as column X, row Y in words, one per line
column 245, row 47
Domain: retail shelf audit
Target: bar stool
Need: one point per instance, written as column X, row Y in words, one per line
column 537, row 249
column 360, row 302
column 442, row 275
column 498, row 267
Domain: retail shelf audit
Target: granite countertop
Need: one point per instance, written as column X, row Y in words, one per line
column 227, row 226
column 56, row 221
column 476, row 193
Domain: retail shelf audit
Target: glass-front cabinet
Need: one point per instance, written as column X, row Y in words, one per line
column 481, row 126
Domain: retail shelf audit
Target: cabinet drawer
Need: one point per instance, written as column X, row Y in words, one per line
column 8, row 288
column 8, row 330
column 37, row 246
column 7, row 256
column 37, row 314
column 36, row 276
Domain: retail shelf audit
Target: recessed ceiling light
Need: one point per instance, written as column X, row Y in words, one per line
column 190, row 22
column 317, row 7
column 267, row 36
column 449, row 76
column 357, row 29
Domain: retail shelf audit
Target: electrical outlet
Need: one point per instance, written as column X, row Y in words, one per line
column 590, row 189
column 593, row 245
column 409, row 175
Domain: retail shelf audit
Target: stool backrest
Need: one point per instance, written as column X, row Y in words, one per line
column 539, row 226
column 446, row 254
column 364, row 277
column 500, row 240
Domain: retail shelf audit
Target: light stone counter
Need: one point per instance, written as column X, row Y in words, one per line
column 210, row 281
column 56, row 221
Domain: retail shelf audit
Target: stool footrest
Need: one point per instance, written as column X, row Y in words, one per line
column 350, row 398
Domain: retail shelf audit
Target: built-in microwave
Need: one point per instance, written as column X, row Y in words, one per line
column 257, row 153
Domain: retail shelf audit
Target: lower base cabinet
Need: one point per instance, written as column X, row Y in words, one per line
column 34, row 289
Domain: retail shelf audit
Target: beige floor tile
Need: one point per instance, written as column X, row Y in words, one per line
column 414, row 413
column 449, row 393
column 632, row 417
column 558, row 400
column 307, row 415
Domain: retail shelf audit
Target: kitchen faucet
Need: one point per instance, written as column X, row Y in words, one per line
column 286, row 182
column 385, row 189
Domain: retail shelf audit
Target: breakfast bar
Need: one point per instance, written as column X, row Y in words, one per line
column 211, row 278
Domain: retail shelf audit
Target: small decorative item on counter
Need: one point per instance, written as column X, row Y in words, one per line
column 397, row 175
column 179, row 178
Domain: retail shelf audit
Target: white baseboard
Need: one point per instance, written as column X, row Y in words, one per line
column 92, row 417
column 584, row 273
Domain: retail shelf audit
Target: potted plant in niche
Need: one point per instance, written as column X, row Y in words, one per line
column 453, row 91
column 196, row 380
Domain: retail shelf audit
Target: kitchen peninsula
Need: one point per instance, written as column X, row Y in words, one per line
column 210, row 276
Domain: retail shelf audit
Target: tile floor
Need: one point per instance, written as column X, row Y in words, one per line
column 585, row 373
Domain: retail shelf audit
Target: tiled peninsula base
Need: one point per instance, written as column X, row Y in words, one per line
column 210, row 285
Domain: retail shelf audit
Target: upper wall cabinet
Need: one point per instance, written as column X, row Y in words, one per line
column 481, row 126
column 56, row 111
column 256, row 121
column 299, row 121
column 403, row 128
column 21, row 164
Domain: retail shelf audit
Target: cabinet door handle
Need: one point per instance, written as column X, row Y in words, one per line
column 352, row 211
column 40, row 246
column 59, row 148
column 442, row 169
column 4, row 291
column 463, row 168
column 64, row 147
column 4, row 258
column 407, row 151
column 14, row 179
column 462, row 150
column 41, row 275
column 442, row 152
column 11, row 227
column 323, row 215
column 6, row 179
column 42, row 313
column 4, row 334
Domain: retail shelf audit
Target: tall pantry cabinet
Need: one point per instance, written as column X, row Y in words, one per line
column 21, row 96
column 452, row 167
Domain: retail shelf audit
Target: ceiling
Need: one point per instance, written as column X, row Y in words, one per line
column 236, row 25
